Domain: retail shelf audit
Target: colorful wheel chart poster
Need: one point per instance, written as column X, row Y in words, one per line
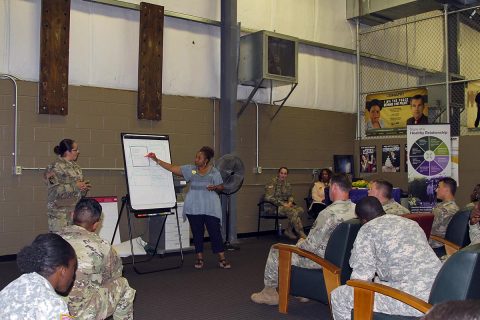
column 429, row 159
column 429, row 156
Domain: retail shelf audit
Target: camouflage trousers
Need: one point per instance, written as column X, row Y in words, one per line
column 294, row 216
column 342, row 304
column 59, row 218
column 270, row 277
column 114, row 299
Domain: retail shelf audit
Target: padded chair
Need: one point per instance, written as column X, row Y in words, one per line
column 424, row 220
column 268, row 210
column 458, row 279
column 456, row 236
column 317, row 284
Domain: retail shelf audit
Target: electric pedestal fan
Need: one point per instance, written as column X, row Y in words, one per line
column 232, row 171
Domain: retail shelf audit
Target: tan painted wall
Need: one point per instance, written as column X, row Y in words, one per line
column 297, row 137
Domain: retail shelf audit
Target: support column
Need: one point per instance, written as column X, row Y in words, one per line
column 228, row 95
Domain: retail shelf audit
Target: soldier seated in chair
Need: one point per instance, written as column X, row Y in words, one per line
column 99, row 290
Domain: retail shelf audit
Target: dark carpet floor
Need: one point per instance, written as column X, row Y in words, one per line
column 210, row 293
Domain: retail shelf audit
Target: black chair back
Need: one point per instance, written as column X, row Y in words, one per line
column 457, row 229
column 459, row 277
column 309, row 283
column 340, row 246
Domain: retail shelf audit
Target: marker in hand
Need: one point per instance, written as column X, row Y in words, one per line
column 151, row 155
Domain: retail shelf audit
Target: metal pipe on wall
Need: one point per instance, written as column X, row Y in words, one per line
column 447, row 70
column 256, row 135
column 357, row 78
column 89, row 169
column 15, row 130
column 214, row 123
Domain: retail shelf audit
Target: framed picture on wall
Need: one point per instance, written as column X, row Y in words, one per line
column 368, row 159
column 391, row 158
column 343, row 164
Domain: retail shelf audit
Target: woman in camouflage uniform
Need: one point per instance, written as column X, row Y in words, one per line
column 66, row 185
column 279, row 192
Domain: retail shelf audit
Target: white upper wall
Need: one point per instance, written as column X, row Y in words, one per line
column 104, row 47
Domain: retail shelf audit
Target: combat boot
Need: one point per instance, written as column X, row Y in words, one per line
column 299, row 228
column 289, row 232
column 268, row 295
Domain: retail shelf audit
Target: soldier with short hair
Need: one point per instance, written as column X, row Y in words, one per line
column 382, row 190
column 66, row 185
column 443, row 211
column 48, row 266
column 279, row 192
column 390, row 250
column 342, row 209
column 99, row 290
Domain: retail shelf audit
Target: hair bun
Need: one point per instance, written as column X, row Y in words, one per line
column 56, row 150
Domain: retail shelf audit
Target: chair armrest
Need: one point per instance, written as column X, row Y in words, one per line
column 364, row 292
column 331, row 273
column 307, row 254
column 450, row 247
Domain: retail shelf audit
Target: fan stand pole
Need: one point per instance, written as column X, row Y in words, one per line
column 228, row 245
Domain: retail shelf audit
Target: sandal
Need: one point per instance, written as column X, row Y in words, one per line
column 198, row 264
column 224, row 264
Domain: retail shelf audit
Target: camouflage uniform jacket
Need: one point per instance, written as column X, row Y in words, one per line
column 396, row 250
column 474, row 233
column 31, row 296
column 98, row 264
column 278, row 192
column 443, row 213
column 393, row 207
column 61, row 177
column 324, row 225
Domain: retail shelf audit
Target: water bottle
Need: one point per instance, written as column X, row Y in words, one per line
column 279, row 229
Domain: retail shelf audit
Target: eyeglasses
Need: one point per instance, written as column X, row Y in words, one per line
column 74, row 150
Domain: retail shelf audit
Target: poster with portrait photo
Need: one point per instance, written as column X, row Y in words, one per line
column 368, row 159
column 391, row 158
column 391, row 112
column 472, row 100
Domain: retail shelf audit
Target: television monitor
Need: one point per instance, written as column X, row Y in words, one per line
column 343, row 164
column 268, row 55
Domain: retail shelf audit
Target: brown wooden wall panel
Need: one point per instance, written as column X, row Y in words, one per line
column 150, row 60
column 54, row 43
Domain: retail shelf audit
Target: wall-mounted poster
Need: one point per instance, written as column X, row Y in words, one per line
column 429, row 159
column 368, row 159
column 472, row 98
column 391, row 158
column 391, row 112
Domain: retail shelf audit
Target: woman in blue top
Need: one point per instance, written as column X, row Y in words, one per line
column 202, row 205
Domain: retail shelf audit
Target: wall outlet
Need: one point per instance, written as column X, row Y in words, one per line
column 18, row 170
